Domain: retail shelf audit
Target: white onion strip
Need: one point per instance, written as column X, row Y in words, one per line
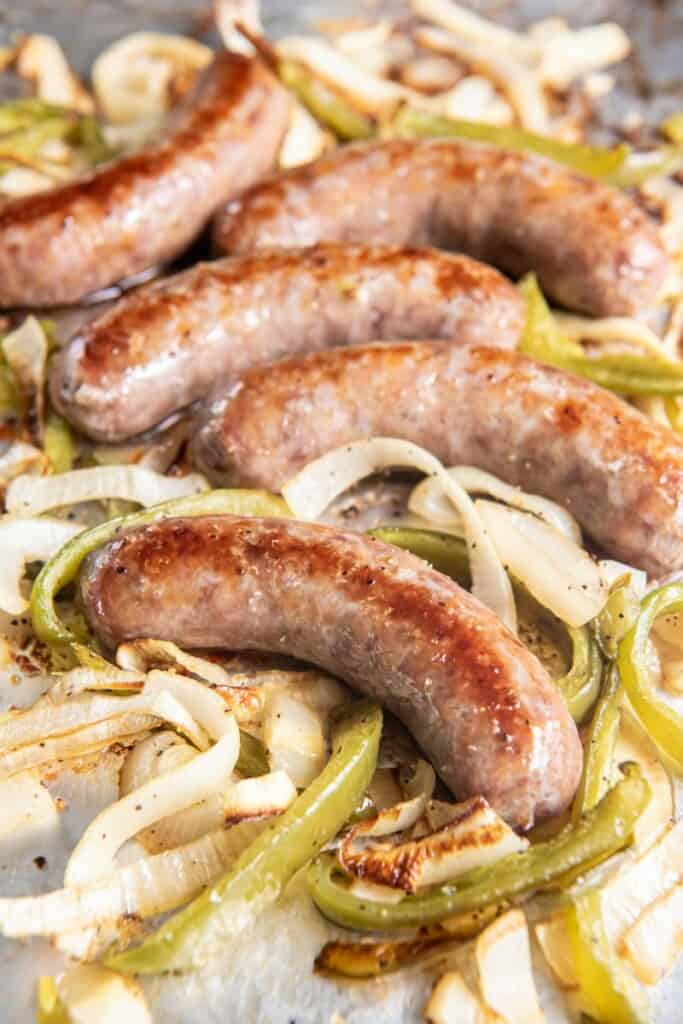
column 429, row 501
column 150, row 885
column 23, row 541
column 31, row 495
column 94, row 855
column 310, row 492
column 555, row 570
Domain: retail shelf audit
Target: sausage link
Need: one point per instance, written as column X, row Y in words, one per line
column 546, row 431
column 57, row 247
column 478, row 702
column 165, row 346
column 591, row 246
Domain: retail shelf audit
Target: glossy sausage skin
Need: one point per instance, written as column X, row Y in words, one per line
column 166, row 345
column 592, row 248
column 549, row 432
column 57, row 247
column 478, row 702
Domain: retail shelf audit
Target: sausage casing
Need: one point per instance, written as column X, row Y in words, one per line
column 546, row 431
column 592, row 247
column 478, row 702
column 164, row 346
column 58, row 246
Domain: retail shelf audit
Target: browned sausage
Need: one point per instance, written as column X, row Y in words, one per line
column 478, row 702
column 551, row 433
column 593, row 249
column 169, row 344
column 58, row 246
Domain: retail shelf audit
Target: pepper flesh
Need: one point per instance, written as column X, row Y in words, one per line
column 621, row 372
column 324, row 103
column 266, row 866
column 64, row 566
column 448, row 554
column 58, row 444
column 598, row 835
column 607, row 992
column 598, row 751
column 253, row 757
column 595, row 161
column 661, row 722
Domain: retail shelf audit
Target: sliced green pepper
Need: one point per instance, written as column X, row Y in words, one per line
column 50, row 1009
column 264, row 869
column 660, row 721
column 599, row 747
column 607, row 991
column 253, row 757
column 595, row 161
column 64, row 566
column 621, row 372
column 22, row 113
column 618, row 616
column 326, row 105
column 599, row 834
column 447, row 553
column 59, row 444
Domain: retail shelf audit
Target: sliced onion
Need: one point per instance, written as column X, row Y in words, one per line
column 47, row 719
column 42, row 60
column 81, row 679
column 453, row 1002
column 148, row 886
column 260, row 797
column 143, row 655
column 429, row 501
column 473, row 837
column 23, row 541
column 304, row 139
column 30, row 495
column 505, row 975
column 294, row 735
column 76, row 744
column 25, row 803
column 368, row 92
column 310, row 492
column 203, row 703
column 18, row 458
column 94, row 855
column 137, row 76
column 559, row 574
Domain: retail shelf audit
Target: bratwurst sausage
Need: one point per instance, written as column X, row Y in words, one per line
column 592, row 248
column 58, row 246
column 478, row 702
column 549, row 432
column 171, row 343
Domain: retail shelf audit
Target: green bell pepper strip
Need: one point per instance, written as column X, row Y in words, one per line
column 59, row 444
column 607, row 991
column 619, row 614
column 326, row 105
column 599, row 834
column 267, row 865
column 50, row 1008
column 660, row 721
column 598, row 751
column 64, row 566
column 448, row 554
column 595, row 161
column 253, row 757
column 621, row 372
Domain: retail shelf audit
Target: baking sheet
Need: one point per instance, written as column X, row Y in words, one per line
column 266, row 975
